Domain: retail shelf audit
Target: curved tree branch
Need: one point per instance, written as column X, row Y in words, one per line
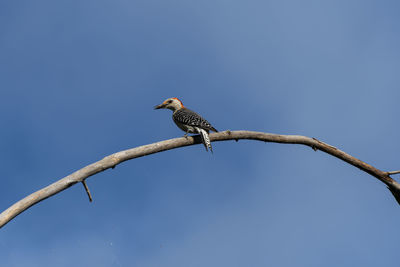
column 112, row 160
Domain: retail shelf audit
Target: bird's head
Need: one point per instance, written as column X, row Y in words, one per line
column 170, row 103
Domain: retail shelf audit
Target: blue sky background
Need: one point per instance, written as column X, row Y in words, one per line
column 79, row 79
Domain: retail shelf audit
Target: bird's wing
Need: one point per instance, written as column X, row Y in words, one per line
column 189, row 117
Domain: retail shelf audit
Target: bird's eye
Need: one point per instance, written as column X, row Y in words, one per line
column 169, row 101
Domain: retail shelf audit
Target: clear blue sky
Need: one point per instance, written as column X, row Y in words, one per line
column 79, row 79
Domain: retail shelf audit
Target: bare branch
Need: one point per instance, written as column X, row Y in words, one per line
column 393, row 172
column 116, row 158
column 87, row 190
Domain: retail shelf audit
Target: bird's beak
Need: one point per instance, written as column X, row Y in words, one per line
column 160, row 106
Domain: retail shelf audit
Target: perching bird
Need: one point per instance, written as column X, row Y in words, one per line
column 188, row 121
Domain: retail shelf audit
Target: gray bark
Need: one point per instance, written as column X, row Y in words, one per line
column 112, row 160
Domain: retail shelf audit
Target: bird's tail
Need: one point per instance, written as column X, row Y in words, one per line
column 205, row 139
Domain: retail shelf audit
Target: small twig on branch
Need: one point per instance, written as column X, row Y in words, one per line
column 393, row 172
column 119, row 157
column 87, row 190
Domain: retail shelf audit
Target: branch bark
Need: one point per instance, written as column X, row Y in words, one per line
column 112, row 160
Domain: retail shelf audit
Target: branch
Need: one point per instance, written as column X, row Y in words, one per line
column 119, row 157
column 87, row 190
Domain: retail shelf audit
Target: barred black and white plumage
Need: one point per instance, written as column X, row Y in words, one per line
column 205, row 139
column 189, row 121
column 191, row 118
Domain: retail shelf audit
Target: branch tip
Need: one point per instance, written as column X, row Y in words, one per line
column 395, row 192
column 393, row 172
column 87, row 190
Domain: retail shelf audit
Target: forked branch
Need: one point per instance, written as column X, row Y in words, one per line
column 116, row 158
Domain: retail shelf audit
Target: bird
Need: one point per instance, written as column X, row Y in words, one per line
column 188, row 120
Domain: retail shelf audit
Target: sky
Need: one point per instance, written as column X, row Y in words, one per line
column 79, row 80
